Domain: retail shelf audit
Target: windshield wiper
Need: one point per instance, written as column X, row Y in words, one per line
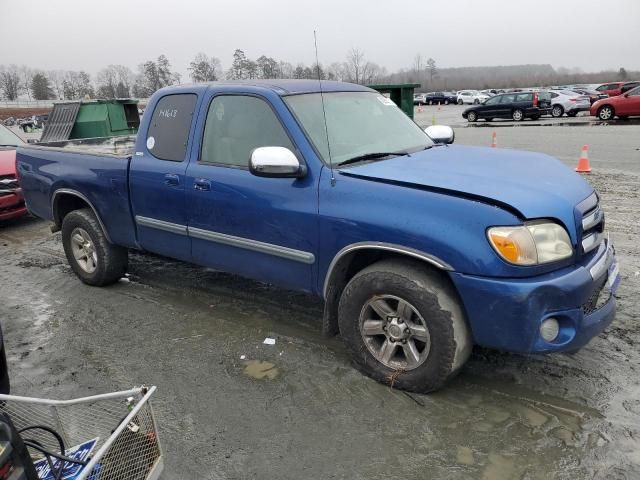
column 371, row 156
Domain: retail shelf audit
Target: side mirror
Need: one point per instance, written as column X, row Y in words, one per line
column 441, row 133
column 275, row 162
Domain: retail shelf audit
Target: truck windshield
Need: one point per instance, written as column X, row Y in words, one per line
column 358, row 123
column 8, row 138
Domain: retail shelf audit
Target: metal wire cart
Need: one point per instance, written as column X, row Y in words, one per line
column 111, row 436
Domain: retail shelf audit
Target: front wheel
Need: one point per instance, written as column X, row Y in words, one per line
column 472, row 116
column 606, row 113
column 404, row 325
column 93, row 259
column 557, row 111
column 517, row 115
column 446, row 102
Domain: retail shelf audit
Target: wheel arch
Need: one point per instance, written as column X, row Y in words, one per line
column 355, row 257
column 66, row 200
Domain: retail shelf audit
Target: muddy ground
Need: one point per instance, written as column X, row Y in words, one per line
column 298, row 409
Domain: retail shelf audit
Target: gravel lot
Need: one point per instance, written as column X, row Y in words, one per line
column 298, row 409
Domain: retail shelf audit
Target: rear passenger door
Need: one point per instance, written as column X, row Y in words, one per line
column 524, row 101
column 157, row 176
column 506, row 105
column 263, row 228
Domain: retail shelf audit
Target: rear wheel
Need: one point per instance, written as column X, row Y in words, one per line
column 557, row 111
column 517, row 115
column 472, row 116
column 93, row 259
column 446, row 102
column 606, row 112
column 404, row 325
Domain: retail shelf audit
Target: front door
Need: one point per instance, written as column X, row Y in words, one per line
column 157, row 177
column 264, row 228
column 629, row 103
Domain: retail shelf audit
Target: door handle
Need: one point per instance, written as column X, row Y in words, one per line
column 171, row 180
column 202, row 184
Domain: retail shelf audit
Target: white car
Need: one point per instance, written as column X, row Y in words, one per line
column 471, row 97
column 569, row 102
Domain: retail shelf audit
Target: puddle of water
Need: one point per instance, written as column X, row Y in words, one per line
column 499, row 468
column 465, row 456
column 259, row 370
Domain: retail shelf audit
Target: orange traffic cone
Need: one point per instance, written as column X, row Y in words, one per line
column 419, row 108
column 583, row 162
column 494, row 140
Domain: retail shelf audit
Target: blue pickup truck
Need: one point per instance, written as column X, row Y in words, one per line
column 420, row 248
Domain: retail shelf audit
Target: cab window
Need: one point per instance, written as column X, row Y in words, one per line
column 235, row 126
column 168, row 133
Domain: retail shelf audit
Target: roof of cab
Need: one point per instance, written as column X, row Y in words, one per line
column 293, row 86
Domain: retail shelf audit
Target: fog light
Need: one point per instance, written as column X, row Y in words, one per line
column 549, row 329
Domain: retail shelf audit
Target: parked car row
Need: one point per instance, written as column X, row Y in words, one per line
column 534, row 104
column 435, row 98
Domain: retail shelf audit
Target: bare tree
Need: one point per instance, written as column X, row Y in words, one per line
column 26, row 76
column 353, row 65
column 10, row 82
column 57, row 77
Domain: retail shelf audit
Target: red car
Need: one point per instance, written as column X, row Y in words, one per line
column 612, row 89
column 11, row 199
column 622, row 106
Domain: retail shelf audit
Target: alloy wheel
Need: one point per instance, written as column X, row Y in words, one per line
column 394, row 332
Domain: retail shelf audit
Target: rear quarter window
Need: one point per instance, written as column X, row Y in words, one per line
column 170, row 125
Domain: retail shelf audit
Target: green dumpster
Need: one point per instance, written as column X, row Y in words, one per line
column 401, row 94
column 91, row 119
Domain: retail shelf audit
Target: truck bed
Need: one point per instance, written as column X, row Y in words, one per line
column 111, row 146
column 93, row 170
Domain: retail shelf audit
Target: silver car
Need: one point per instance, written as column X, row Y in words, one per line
column 569, row 102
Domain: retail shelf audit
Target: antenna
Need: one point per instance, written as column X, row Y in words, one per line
column 324, row 112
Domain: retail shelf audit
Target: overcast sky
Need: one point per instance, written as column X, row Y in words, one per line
column 89, row 34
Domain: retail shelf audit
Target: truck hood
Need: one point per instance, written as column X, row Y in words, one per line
column 533, row 185
column 7, row 161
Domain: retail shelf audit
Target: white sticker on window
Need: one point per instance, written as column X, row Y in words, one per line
column 151, row 142
column 386, row 101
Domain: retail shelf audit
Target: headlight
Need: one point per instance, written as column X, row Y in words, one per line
column 533, row 243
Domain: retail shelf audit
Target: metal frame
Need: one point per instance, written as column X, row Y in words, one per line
column 389, row 247
column 143, row 393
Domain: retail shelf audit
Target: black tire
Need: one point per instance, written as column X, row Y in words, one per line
column 446, row 102
column 110, row 260
column 606, row 113
column 557, row 111
column 460, row 102
column 437, row 302
column 472, row 116
column 517, row 115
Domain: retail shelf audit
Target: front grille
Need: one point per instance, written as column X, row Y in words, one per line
column 598, row 298
column 8, row 184
column 592, row 226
